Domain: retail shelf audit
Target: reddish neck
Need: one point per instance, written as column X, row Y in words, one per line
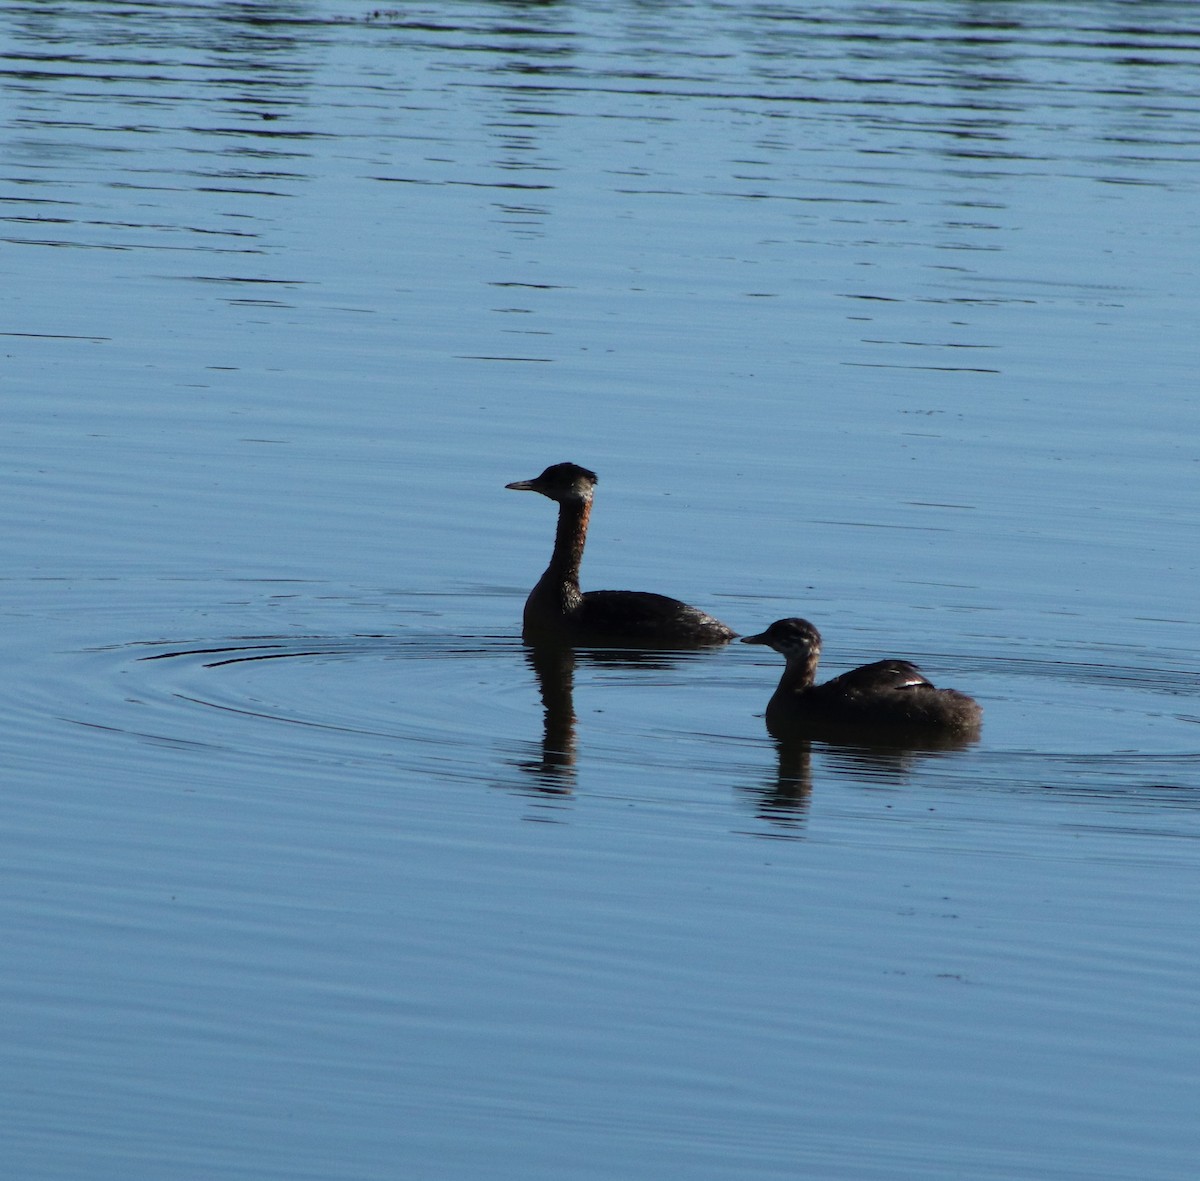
column 569, row 539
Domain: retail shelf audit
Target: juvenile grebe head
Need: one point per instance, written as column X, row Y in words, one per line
column 791, row 638
column 560, row 482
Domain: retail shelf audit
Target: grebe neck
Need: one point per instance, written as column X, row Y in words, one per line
column 800, row 672
column 569, row 539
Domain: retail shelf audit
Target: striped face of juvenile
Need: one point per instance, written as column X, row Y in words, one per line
column 789, row 637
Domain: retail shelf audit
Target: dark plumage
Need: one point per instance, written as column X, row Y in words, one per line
column 888, row 699
column 558, row 611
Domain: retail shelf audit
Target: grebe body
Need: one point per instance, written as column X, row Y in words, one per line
column 558, row 611
column 889, row 698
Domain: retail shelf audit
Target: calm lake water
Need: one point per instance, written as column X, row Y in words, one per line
column 884, row 315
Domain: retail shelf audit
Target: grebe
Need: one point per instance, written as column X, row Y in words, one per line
column 558, row 611
column 889, row 697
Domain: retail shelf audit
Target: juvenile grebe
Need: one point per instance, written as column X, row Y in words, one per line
column 558, row 611
column 889, row 697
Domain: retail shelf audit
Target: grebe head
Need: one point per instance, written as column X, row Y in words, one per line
column 790, row 638
column 560, row 482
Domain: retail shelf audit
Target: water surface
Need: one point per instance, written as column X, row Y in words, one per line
column 881, row 315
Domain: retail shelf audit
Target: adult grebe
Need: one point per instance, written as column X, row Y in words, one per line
column 887, row 698
column 557, row 610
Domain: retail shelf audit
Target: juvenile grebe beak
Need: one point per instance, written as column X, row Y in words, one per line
column 761, row 638
column 521, row 486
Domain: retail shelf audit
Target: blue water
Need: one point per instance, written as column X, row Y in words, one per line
column 881, row 315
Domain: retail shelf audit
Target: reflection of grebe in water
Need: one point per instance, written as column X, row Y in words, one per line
column 889, row 700
column 870, row 757
column 558, row 611
column 554, row 667
column 552, row 771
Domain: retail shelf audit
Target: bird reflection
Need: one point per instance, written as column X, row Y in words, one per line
column 553, row 666
column 784, row 798
column 552, row 770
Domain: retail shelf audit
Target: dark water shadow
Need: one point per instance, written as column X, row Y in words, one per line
column 493, row 751
column 553, row 768
column 785, row 797
column 252, row 648
column 547, row 766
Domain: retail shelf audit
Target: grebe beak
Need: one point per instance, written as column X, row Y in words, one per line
column 522, row 486
column 761, row 638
